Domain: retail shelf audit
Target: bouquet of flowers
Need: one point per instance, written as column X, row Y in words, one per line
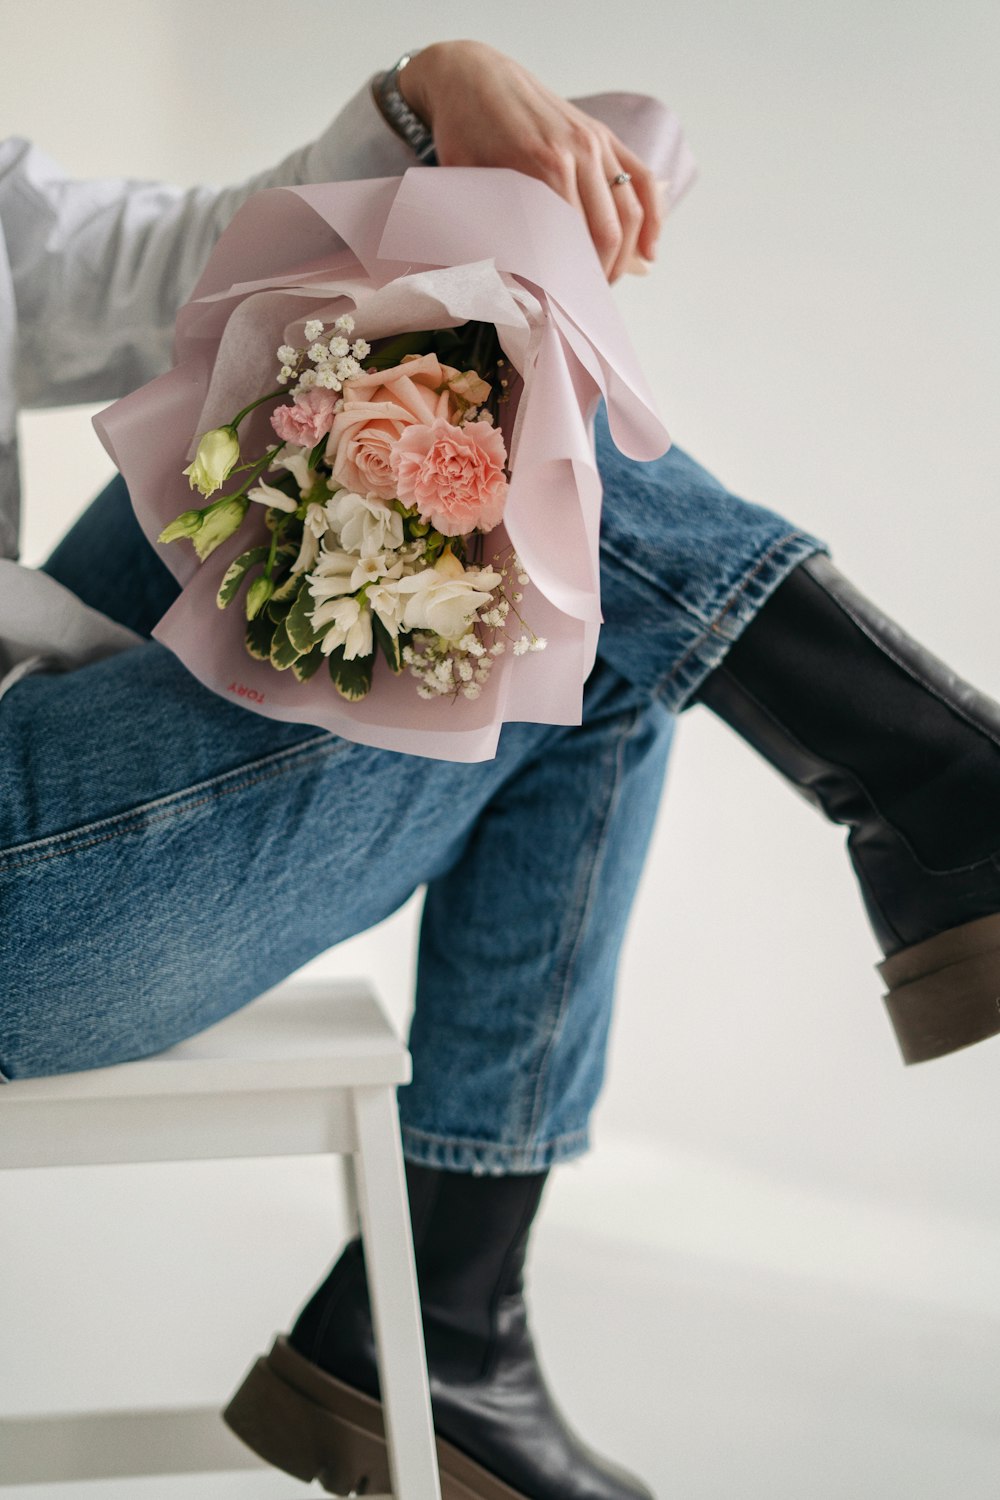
column 385, row 391
column 387, row 474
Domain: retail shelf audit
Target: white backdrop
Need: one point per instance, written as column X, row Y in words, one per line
column 821, row 331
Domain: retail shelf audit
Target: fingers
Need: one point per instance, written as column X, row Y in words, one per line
column 488, row 111
column 624, row 219
column 649, row 197
column 612, row 214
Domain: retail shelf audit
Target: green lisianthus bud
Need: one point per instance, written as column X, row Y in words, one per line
column 217, row 456
column 185, row 525
column 218, row 522
column 257, row 595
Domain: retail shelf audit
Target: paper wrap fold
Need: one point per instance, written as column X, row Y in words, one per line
column 433, row 248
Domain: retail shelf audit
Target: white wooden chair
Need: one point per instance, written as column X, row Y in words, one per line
column 309, row 1068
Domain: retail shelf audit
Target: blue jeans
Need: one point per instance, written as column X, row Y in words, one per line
column 166, row 855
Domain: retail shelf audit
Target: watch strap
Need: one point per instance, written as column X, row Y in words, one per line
column 404, row 121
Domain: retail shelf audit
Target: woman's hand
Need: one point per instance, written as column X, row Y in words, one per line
column 485, row 110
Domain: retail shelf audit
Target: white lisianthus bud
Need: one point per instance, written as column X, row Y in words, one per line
column 257, row 596
column 186, row 524
column 217, row 456
column 218, row 523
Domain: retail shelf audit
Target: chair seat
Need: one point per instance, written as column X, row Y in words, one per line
column 273, row 1078
column 310, row 1034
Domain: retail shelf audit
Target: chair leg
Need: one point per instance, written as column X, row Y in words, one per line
column 349, row 1193
column 392, row 1283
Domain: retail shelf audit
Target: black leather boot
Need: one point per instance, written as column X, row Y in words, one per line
column 500, row 1434
column 882, row 736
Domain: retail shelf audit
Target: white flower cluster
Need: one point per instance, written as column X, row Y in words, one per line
column 333, row 357
column 360, row 568
column 446, row 668
column 358, row 564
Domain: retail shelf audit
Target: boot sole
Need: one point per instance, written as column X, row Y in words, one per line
column 944, row 994
column 313, row 1426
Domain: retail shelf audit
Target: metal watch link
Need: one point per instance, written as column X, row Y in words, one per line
column 400, row 116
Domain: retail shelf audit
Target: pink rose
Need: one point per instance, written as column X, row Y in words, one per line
column 377, row 409
column 453, row 475
column 307, row 419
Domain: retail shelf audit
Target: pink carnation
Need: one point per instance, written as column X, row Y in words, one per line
column 377, row 408
column 453, row 475
column 308, row 419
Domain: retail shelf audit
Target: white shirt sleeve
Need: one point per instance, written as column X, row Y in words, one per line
column 100, row 268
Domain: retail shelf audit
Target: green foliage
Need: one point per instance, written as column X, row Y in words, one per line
column 388, row 645
column 283, row 653
column 298, row 624
column 303, row 667
column 236, row 572
column 352, row 679
column 258, row 637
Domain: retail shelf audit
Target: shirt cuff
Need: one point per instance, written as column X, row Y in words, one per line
column 358, row 143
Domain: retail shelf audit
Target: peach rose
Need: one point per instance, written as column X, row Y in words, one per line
column 307, row 419
column 453, row 475
column 377, row 409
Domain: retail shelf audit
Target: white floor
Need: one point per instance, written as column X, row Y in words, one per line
column 732, row 1348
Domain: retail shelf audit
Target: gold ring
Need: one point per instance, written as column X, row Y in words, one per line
column 620, row 180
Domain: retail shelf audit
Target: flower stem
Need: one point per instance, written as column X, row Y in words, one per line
column 253, row 404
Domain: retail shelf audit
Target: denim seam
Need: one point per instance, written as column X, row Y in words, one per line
column 582, row 909
column 629, row 564
column 787, row 549
column 72, row 841
column 456, row 1154
column 503, row 1147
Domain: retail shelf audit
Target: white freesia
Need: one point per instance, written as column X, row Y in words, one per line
column 314, row 525
column 331, row 574
column 266, row 494
column 351, row 627
column 387, row 602
column 364, row 524
column 443, row 604
column 337, row 573
column 295, row 459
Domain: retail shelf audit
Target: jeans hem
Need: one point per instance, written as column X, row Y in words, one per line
column 676, row 689
column 458, row 1154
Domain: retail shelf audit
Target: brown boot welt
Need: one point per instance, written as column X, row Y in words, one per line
column 944, row 994
column 295, row 1416
column 958, row 943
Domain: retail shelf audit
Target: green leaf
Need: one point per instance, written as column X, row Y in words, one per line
column 258, row 637
column 387, row 644
column 236, row 572
column 298, row 624
column 352, row 679
column 287, row 589
column 304, row 666
column 283, row 653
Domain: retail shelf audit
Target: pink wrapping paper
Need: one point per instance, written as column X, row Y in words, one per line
column 433, row 248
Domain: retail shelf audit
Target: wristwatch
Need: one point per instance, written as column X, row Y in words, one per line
column 400, row 116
